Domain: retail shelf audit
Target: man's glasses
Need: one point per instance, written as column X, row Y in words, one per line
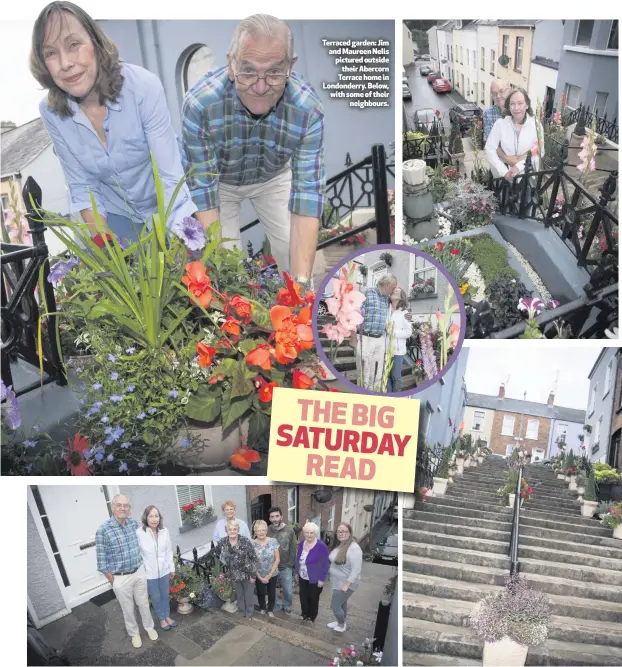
column 122, row 507
column 272, row 79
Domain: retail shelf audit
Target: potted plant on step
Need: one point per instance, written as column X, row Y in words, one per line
column 185, row 587
column 441, row 478
column 223, row 588
column 589, row 497
column 460, row 462
column 580, row 484
column 511, row 621
column 605, row 477
column 611, row 516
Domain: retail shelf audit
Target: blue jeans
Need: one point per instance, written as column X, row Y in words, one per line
column 285, row 575
column 160, row 597
column 122, row 227
column 394, row 383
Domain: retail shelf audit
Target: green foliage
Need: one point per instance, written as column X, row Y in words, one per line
column 492, row 259
column 605, row 474
column 443, row 467
column 532, row 331
column 503, row 296
column 590, row 488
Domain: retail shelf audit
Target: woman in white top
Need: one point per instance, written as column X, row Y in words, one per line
column 346, row 563
column 157, row 552
column 402, row 331
column 515, row 135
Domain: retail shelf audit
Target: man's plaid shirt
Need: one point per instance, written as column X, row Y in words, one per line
column 375, row 312
column 491, row 116
column 243, row 150
column 117, row 546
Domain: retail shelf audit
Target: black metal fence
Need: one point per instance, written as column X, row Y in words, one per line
column 584, row 117
column 430, row 148
column 20, row 309
column 202, row 565
column 428, row 460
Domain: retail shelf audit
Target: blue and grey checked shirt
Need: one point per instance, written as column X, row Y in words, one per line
column 117, row 546
column 243, row 150
column 375, row 311
column 491, row 116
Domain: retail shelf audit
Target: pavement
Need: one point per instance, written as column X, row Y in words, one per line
column 95, row 634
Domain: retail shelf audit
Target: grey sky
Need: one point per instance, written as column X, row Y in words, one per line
column 536, row 371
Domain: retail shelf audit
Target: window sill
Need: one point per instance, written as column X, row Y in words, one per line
column 591, row 52
column 187, row 527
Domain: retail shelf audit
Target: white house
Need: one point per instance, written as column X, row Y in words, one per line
column 487, row 45
column 62, row 522
column 546, row 52
column 445, row 37
column 408, row 53
column 433, row 47
column 465, row 45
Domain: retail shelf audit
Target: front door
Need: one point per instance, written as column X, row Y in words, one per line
column 550, row 99
column 74, row 514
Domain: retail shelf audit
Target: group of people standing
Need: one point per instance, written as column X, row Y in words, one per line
column 137, row 559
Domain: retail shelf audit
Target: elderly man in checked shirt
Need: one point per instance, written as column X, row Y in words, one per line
column 259, row 127
column 119, row 559
column 373, row 332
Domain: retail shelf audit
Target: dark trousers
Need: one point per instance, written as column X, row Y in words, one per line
column 309, row 598
column 268, row 589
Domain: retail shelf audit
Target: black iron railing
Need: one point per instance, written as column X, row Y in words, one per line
column 202, row 565
column 20, row 310
column 428, row 460
column 584, row 116
column 429, row 148
column 515, row 536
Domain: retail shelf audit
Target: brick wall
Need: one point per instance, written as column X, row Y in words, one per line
column 499, row 442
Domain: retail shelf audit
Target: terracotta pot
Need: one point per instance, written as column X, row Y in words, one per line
column 440, row 486
column 184, row 606
column 505, row 652
column 218, row 445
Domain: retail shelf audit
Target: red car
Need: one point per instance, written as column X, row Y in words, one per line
column 432, row 76
column 441, row 86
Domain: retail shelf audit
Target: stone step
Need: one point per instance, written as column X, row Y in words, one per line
column 571, row 571
column 569, row 546
column 453, row 501
column 563, row 517
column 542, row 506
column 563, row 628
column 458, row 511
column 425, row 636
column 574, row 527
column 562, row 605
column 411, row 529
column 466, row 556
column 457, row 541
column 496, row 576
column 564, row 535
column 461, row 520
column 436, row 660
column 558, row 554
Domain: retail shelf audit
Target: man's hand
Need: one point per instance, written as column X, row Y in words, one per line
column 320, row 584
column 110, row 578
column 302, row 245
column 513, row 171
column 206, row 218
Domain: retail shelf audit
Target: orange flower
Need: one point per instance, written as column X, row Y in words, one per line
column 241, row 306
column 75, row 456
column 231, row 326
column 205, row 354
column 265, row 393
column 302, row 380
column 238, row 461
column 261, row 356
column 223, row 342
column 199, row 284
column 289, row 295
column 249, row 455
column 310, row 298
column 284, row 322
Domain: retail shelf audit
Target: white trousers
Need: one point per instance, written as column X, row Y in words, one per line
column 370, row 354
column 131, row 589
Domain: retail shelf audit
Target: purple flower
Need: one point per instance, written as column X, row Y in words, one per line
column 152, row 411
column 427, row 352
column 61, row 269
column 87, row 453
column 110, row 458
column 92, row 411
column 117, row 398
column 114, row 376
column 29, row 468
column 141, row 416
column 97, row 404
column 13, row 418
column 97, row 386
column 130, row 350
column 30, row 443
column 530, row 305
column 114, row 434
column 104, row 419
column 173, row 393
column 112, row 358
column 123, row 467
column 125, row 445
column 191, row 232
column 130, row 388
column 142, row 464
column 36, row 428
column 184, row 442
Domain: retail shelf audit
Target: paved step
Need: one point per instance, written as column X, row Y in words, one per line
column 457, row 541
column 437, row 660
column 568, row 546
column 563, row 534
column 453, row 501
column 462, row 521
column 411, row 527
column 454, row 555
column 458, row 511
column 574, row 527
column 548, row 553
column 571, row 571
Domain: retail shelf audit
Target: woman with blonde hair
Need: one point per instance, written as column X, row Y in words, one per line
column 267, row 550
column 346, row 563
column 312, row 570
column 228, row 508
column 104, row 117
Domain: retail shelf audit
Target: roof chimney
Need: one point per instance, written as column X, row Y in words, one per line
column 551, row 400
column 502, row 390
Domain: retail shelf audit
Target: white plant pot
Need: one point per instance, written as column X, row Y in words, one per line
column 467, row 463
column 617, row 532
column 573, row 484
column 588, row 508
column 452, row 472
column 184, row 606
column 567, row 478
column 230, row 607
column 450, row 480
column 560, row 476
column 480, row 459
column 413, row 172
column 505, row 652
column 473, row 463
column 511, row 497
column 580, row 490
column 459, row 466
column 440, row 486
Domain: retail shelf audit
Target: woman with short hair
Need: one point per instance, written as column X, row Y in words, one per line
column 156, row 549
column 312, row 568
column 267, row 550
column 104, row 117
column 237, row 554
column 346, row 563
column 228, row 508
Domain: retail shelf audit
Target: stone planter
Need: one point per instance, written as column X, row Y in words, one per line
column 440, row 486
column 505, row 652
column 459, row 466
column 617, row 532
column 184, row 606
column 480, row 459
column 217, row 445
column 511, row 498
column 573, row 483
column 567, row 478
column 588, row 508
column 467, row 463
column 450, row 480
column 580, row 490
column 561, row 476
column 230, row 607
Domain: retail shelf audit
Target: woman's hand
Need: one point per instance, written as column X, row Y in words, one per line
column 252, row 580
column 345, row 587
column 513, row 171
column 320, row 584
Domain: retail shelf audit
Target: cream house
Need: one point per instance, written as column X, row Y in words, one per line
column 515, row 42
column 478, row 423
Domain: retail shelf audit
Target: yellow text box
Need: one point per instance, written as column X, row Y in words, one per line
column 339, row 439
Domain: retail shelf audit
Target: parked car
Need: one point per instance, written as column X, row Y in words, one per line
column 406, row 94
column 433, row 76
column 424, row 70
column 465, row 114
column 386, row 550
column 424, row 119
column 441, row 85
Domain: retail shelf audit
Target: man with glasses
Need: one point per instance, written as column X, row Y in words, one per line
column 119, row 559
column 255, row 131
column 499, row 90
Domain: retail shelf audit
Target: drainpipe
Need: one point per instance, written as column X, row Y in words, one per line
column 156, row 45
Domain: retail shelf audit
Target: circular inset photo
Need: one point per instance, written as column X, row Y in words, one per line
column 388, row 320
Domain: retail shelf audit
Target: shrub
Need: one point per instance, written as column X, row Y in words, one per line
column 492, row 259
column 443, row 467
column 610, row 514
column 590, row 488
column 503, row 295
column 605, row 474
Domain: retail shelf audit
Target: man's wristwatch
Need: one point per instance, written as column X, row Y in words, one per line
column 305, row 282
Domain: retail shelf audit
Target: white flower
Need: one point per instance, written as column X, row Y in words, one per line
column 192, row 595
column 359, row 663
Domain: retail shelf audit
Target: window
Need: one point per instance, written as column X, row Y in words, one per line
column 292, row 504
column 478, row 420
column 483, row 93
column 600, row 104
column 448, row 58
column 331, row 518
column 424, row 279
column 461, row 58
column 483, row 59
column 468, row 57
column 468, row 88
column 452, row 52
column 613, row 36
column 596, row 438
column 584, row 33
column 5, row 204
column 377, row 273
column 561, row 431
column 608, row 378
column 518, row 59
column 492, row 62
column 508, row 425
column 474, row 60
column 462, row 83
column 592, row 399
column 573, row 96
column 197, row 64
column 188, row 493
column 532, row 429
column 505, row 45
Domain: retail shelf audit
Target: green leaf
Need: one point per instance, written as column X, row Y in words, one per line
column 258, row 429
column 205, row 404
column 147, row 437
column 277, row 375
column 241, row 385
column 233, row 408
column 227, row 366
column 250, row 344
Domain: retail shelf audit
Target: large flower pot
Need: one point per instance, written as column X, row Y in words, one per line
column 511, row 498
column 216, row 448
column 467, row 463
column 450, row 480
column 580, row 490
column 230, row 607
column 480, row 459
column 617, row 532
column 184, row 606
column 573, row 483
column 440, row 486
column 561, row 476
column 459, row 466
column 588, row 508
column 505, row 652
column 567, row 478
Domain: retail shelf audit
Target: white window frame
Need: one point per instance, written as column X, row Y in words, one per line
column 592, row 405
column 520, row 48
column 504, row 429
column 474, row 425
column 530, row 423
column 505, row 45
column 483, row 93
column 492, row 62
column 292, row 508
column 561, row 429
column 331, row 518
column 613, row 23
column 595, row 107
column 194, row 492
column 576, row 35
column 482, row 55
column 186, row 85
column 576, row 102
column 425, row 268
column 608, row 377
column 597, row 429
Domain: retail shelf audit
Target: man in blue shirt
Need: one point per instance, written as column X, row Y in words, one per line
column 119, row 559
column 256, row 128
column 499, row 90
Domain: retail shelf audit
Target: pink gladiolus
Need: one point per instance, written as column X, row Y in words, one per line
column 352, row 300
column 333, row 304
column 349, row 320
column 439, row 315
column 332, row 332
column 454, row 334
